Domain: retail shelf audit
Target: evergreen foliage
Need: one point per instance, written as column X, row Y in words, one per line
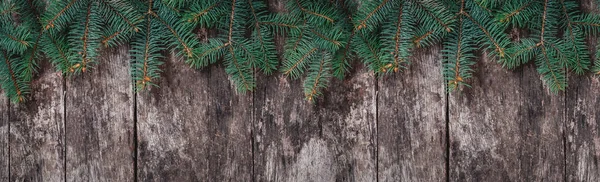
column 323, row 38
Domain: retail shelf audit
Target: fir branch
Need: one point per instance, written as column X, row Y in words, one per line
column 231, row 20
column 278, row 24
column 264, row 56
column 371, row 55
column 128, row 20
column 363, row 23
column 581, row 63
column 186, row 48
column 11, row 79
column 417, row 40
column 194, row 17
column 208, row 53
column 146, row 53
column 109, row 38
column 317, row 78
column 58, row 53
column 341, row 64
column 498, row 47
column 430, row 13
column 511, row 14
column 85, row 51
column 556, row 82
column 294, row 69
column 327, row 18
column 397, row 39
column 243, row 76
column 51, row 22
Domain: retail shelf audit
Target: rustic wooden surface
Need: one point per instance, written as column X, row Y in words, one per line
column 332, row 140
column 411, row 121
column 4, row 155
column 507, row 127
column 208, row 139
column 400, row 127
column 99, row 121
column 37, row 131
column 583, row 129
column 582, row 134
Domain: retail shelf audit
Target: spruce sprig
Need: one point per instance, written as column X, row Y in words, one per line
column 323, row 38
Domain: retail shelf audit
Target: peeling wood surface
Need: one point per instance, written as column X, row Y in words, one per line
column 583, row 129
column 401, row 127
column 37, row 131
column 4, row 156
column 412, row 121
column 332, row 140
column 99, row 121
column 582, row 134
column 207, row 140
column 507, row 127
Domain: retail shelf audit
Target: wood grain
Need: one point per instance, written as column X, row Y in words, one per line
column 37, row 131
column 4, row 142
column 99, row 121
column 507, row 127
column 331, row 140
column 583, row 129
column 411, row 109
column 194, row 127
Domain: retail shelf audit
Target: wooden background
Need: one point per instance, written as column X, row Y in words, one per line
column 401, row 127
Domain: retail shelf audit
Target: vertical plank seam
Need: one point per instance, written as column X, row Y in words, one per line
column 252, row 120
column 253, row 117
column 8, row 137
column 564, row 133
column 135, row 136
column 135, row 128
column 447, row 110
column 376, row 128
column 64, row 85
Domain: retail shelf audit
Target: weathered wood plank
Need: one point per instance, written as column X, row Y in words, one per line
column 331, row 140
column 99, row 121
column 37, row 131
column 4, row 148
column 507, row 127
column 583, row 129
column 582, row 135
column 194, row 127
column 412, row 121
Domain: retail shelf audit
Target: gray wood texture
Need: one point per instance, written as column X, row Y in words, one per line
column 507, row 127
column 399, row 127
column 207, row 140
column 37, row 131
column 332, row 140
column 582, row 125
column 4, row 148
column 99, row 121
column 411, row 121
column 583, row 129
